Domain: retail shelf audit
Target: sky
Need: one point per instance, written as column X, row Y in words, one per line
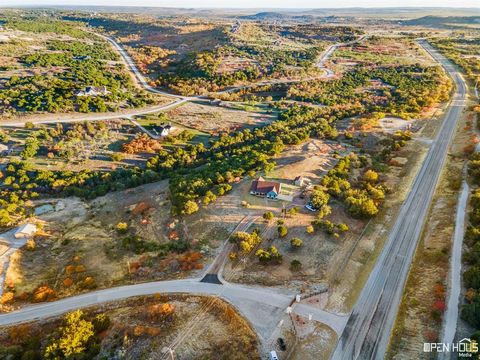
column 253, row 3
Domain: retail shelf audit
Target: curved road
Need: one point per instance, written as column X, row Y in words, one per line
column 251, row 302
column 67, row 118
column 368, row 330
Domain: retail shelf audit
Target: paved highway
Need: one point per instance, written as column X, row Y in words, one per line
column 368, row 329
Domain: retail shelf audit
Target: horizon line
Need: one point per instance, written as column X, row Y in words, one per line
column 39, row 6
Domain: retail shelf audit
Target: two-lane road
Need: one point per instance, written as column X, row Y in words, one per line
column 368, row 329
column 261, row 306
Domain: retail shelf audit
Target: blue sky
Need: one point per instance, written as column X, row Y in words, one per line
column 253, row 3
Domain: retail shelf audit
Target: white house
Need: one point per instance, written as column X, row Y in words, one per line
column 3, row 148
column 164, row 129
column 93, row 91
column 24, row 231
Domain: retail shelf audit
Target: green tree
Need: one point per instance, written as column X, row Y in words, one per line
column 75, row 334
column 296, row 242
column 370, row 176
column 295, row 265
column 293, row 211
column 268, row 215
column 190, row 207
column 282, row 230
column 122, row 227
column 319, row 198
column 209, row 198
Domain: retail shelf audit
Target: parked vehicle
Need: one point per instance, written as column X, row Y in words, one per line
column 273, row 355
column 310, row 207
column 281, row 344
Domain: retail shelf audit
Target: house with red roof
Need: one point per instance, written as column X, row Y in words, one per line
column 263, row 188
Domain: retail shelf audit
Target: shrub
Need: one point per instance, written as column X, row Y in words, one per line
column 296, row 242
column 7, row 298
column 121, row 227
column 43, row 293
column 293, row 211
column 472, row 277
column 370, row 176
column 101, row 322
column 117, row 156
column 268, row 215
column 282, row 230
column 190, row 207
column 295, row 265
column 30, row 245
column 310, row 229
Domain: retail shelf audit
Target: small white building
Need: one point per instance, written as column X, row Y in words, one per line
column 3, row 148
column 25, row 231
column 93, row 91
column 164, row 129
column 299, row 181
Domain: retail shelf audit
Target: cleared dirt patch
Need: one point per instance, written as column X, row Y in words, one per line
column 142, row 327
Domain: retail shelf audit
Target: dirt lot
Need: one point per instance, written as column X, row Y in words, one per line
column 84, row 250
column 379, row 50
column 216, row 119
column 218, row 333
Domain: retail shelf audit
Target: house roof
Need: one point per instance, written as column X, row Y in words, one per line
column 29, row 229
column 264, row 187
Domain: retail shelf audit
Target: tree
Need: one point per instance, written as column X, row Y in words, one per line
column 293, row 211
column 325, row 210
column 117, row 156
column 296, row 242
column 472, row 277
column 370, row 176
column 295, row 265
column 319, row 198
column 31, row 147
column 268, row 215
column 282, row 230
column 209, row 198
column 29, row 125
column 74, row 337
column 122, row 227
column 245, row 241
column 310, row 229
column 190, row 207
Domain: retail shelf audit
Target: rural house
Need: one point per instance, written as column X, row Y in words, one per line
column 269, row 189
column 3, row 148
column 93, row 91
column 164, row 129
column 25, row 231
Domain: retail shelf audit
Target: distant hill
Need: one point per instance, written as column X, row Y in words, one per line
column 443, row 20
column 276, row 16
column 266, row 15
